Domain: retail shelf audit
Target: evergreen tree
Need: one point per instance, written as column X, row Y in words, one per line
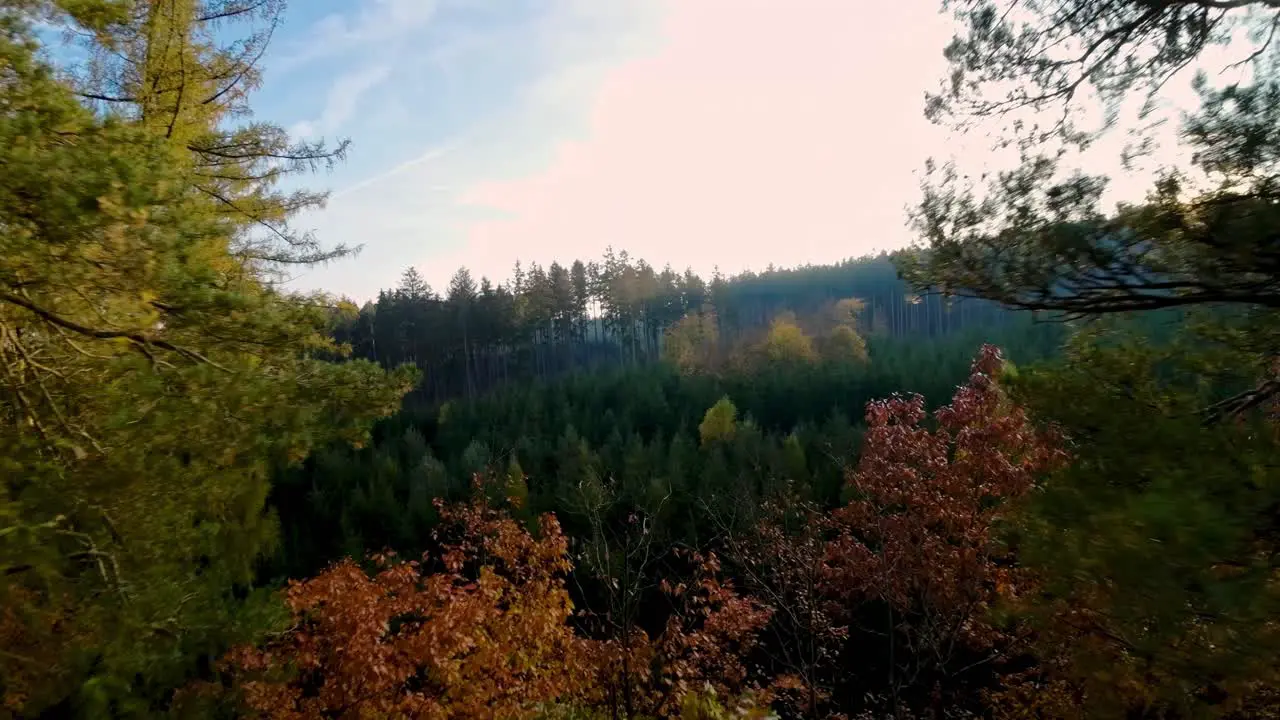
column 153, row 375
column 1150, row 475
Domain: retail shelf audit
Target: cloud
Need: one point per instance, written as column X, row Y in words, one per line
column 696, row 132
column 342, row 99
column 730, row 133
column 376, row 21
column 430, row 155
column 490, row 100
column 756, row 133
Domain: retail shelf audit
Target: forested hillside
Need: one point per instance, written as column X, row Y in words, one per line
column 1027, row 468
column 798, row 421
column 539, row 323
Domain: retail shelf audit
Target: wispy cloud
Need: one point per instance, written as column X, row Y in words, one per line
column 697, row 132
column 342, row 100
column 430, row 155
column 374, row 22
column 496, row 87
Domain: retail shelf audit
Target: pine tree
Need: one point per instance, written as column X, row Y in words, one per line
column 412, row 286
column 153, row 375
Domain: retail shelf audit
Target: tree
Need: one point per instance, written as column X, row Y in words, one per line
column 784, row 561
column 720, row 422
column 844, row 344
column 919, row 536
column 153, row 375
column 581, row 297
column 478, row 630
column 787, row 343
column 412, row 286
column 1155, row 567
column 1037, row 238
column 462, row 296
column 173, row 69
column 705, row 644
column 1201, row 250
column 692, row 343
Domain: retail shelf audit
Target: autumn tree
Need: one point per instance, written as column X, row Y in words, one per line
column 706, row 644
column 919, row 536
column 478, row 629
column 692, row 343
column 787, row 343
column 709, row 639
column 623, row 546
column 842, row 341
column 719, row 423
column 784, row 563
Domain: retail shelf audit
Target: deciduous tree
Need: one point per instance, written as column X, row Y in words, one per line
column 919, row 534
column 477, row 630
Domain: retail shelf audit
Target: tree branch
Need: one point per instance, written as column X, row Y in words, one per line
column 232, row 11
column 139, row 339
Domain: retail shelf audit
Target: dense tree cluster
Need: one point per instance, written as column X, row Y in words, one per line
column 620, row 311
column 700, row 440
column 481, row 626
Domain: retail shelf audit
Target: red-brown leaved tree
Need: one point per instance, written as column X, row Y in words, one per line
column 482, row 634
column 784, row 564
column 709, row 635
column 917, row 539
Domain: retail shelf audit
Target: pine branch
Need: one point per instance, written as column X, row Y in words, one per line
column 139, row 339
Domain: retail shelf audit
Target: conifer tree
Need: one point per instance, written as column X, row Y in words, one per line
column 153, row 374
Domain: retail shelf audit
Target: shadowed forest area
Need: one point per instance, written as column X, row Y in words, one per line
column 1028, row 467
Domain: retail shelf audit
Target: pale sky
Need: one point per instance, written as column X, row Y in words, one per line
column 695, row 132
column 698, row 133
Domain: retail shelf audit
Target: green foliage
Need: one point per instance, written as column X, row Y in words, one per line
column 153, row 379
column 543, row 323
column 631, row 433
column 1158, row 537
column 1157, row 545
column 156, row 380
column 844, row 344
column 720, row 422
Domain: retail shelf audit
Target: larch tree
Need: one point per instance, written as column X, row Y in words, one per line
column 719, row 423
column 154, row 374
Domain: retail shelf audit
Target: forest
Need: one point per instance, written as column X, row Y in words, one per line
column 1028, row 467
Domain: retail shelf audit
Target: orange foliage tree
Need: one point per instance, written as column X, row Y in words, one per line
column 918, row 535
column 707, row 641
column 784, row 563
column 482, row 628
column 483, row 635
column 710, row 632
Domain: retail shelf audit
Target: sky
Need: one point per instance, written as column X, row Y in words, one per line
column 703, row 134
column 700, row 133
